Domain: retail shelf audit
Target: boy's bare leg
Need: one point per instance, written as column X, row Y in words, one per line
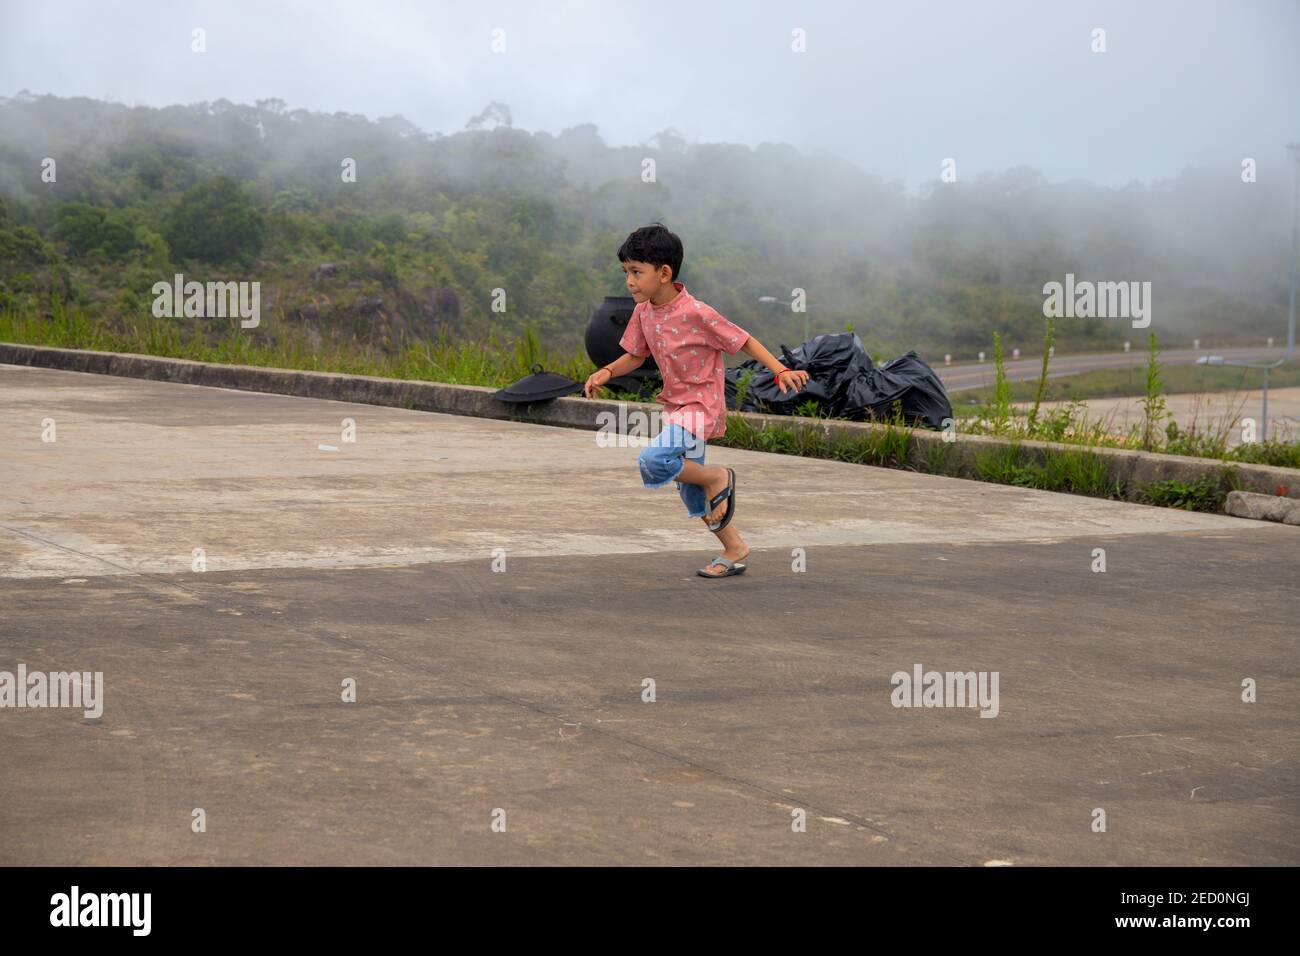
column 712, row 480
column 733, row 545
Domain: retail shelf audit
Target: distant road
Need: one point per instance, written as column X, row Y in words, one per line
column 962, row 377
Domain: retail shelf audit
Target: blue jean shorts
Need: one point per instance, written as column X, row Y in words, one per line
column 661, row 462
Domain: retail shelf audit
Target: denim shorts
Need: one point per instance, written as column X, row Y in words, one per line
column 661, row 462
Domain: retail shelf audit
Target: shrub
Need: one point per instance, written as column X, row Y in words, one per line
column 215, row 222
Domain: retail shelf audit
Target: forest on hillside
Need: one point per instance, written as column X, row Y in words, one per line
column 434, row 223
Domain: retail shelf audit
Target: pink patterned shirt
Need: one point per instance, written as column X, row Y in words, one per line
column 687, row 339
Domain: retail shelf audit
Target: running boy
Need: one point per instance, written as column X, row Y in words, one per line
column 687, row 339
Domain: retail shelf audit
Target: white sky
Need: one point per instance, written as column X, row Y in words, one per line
column 895, row 87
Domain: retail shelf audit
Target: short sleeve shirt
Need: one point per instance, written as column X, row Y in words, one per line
column 687, row 339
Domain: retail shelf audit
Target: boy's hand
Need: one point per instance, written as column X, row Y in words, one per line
column 796, row 378
column 594, row 381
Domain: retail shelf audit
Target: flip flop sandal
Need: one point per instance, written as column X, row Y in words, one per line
column 730, row 496
column 731, row 566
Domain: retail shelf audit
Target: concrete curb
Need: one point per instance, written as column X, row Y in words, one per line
column 1135, row 469
column 1245, row 504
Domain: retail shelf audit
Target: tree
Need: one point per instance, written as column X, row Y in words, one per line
column 496, row 114
column 22, row 246
column 86, row 228
column 215, row 222
column 669, row 141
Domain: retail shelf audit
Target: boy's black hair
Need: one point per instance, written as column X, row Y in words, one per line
column 655, row 245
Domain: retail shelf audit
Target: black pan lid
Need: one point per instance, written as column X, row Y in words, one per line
column 539, row 386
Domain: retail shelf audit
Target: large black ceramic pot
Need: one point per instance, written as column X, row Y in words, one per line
column 604, row 331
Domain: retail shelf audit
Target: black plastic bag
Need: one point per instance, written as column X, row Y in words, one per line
column 845, row 384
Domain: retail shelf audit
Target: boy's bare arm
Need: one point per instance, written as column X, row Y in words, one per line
column 620, row 366
column 753, row 347
column 793, row 377
column 625, row 363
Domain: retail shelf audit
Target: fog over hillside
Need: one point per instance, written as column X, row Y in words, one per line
column 921, row 177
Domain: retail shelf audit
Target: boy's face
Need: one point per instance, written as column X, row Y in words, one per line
column 643, row 281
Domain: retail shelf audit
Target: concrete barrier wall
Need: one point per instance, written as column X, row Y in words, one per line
column 1134, row 468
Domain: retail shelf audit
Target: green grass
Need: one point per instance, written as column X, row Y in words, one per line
column 493, row 363
column 1081, row 472
column 1272, row 452
column 985, row 411
column 1206, row 493
column 887, row 447
column 1131, row 382
column 1071, row 424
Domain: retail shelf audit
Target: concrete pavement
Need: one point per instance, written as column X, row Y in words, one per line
column 523, row 689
